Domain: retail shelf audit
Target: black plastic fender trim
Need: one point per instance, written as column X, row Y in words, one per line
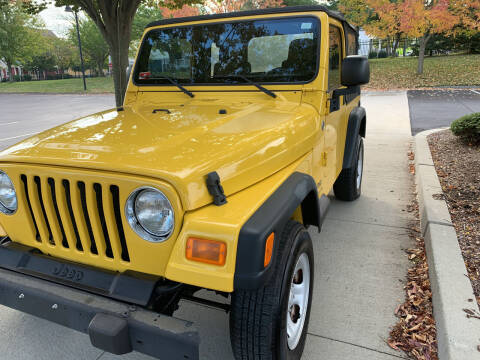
column 298, row 189
column 355, row 120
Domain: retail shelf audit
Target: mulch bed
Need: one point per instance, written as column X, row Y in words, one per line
column 415, row 332
column 458, row 168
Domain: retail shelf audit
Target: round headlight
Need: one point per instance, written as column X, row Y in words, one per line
column 8, row 196
column 150, row 214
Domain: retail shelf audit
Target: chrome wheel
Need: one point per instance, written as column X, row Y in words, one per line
column 359, row 168
column 298, row 301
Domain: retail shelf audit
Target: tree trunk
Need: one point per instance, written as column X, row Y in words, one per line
column 119, row 51
column 396, row 42
column 404, row 47
column 421, row 54
column 388, row 46
column 10, row 73
column 114, row 20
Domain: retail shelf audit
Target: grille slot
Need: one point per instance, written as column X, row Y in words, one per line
column 118, row 217
column 98, row 194
column 83, row 197
column 51, row 183
column 76, row 215
column 36, row 179
column 25, row 189
column 68, row 198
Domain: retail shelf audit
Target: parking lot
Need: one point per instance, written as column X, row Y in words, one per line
column 431, row 109
column 360, row 263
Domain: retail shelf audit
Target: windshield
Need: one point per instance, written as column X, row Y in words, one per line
column 268, row 51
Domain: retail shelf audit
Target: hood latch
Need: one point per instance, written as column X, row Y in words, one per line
column 215, row 189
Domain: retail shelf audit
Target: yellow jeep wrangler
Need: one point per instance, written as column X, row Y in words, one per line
column 234, row 129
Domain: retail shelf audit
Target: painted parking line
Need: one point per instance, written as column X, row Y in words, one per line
column 9, row 123
column 18, row 136
column 476, row 92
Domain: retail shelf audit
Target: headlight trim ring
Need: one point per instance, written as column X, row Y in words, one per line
column 3, row 208
column 133, row 221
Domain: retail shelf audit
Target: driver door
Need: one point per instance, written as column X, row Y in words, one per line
column 335, row 125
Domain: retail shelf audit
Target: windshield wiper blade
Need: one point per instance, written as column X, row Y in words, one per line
column 257, row 85
column 174, row 82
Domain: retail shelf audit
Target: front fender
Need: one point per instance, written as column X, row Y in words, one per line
column 242, row 224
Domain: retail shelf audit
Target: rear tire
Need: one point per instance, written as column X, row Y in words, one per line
column 259, row 319
column 348, row 186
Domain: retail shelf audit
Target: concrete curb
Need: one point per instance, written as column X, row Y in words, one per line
column 452, row 292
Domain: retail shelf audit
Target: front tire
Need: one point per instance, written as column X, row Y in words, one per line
column 348, row 186
column 271, row 323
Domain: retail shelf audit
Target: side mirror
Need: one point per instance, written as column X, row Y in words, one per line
column 355, row 70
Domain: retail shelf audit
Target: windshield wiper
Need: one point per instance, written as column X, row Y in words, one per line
column 174, row 82
column 257, row 85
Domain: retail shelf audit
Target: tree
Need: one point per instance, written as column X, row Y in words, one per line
column 226, row 6
column 414, row 18
column 94, row 46
column 63, row 54
column 42, row 63
column 144, row 16
column 114, row 20
column 422, row 19
column 184, row 11
column 19, row 37
column 299, row 2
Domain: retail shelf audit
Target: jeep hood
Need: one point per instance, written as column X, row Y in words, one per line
column 180, row 144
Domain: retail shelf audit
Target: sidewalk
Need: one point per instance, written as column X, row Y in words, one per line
column 360, row 263
column 360, row 267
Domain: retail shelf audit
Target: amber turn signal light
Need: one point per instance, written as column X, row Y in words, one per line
column 268, row 249
column 206, row 251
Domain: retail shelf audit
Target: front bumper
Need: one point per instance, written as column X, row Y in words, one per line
column 113, row 326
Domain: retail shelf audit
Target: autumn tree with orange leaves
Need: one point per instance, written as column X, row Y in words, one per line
column 413, row 18
column 226, row 6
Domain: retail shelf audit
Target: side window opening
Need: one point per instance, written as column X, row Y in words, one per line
column 334, row 58
column 352, row 43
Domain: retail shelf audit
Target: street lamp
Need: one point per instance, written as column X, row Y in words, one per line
column 69, row 9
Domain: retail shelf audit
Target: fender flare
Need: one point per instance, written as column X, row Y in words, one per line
column 298, row 189
column 357, row 122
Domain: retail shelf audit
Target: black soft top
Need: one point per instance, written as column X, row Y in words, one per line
column 281, row 10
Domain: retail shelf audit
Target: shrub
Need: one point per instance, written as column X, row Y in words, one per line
column 382, row 54
column 467, row 127
column 27, row 77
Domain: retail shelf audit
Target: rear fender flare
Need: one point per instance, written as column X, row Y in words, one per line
column 357, row 122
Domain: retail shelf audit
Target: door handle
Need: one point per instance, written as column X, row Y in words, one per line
column 158, row 110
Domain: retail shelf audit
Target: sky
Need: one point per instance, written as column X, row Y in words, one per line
column 56, row 19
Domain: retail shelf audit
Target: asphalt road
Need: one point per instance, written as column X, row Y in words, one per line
column 22, row 116
column 431, row 109
column 360, row 263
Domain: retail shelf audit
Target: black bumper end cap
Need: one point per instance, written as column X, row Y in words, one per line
column 110, row 333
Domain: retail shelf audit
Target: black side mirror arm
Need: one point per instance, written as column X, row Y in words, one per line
column 335, row 99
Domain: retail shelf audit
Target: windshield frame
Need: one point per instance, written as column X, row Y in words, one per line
column 226, row 21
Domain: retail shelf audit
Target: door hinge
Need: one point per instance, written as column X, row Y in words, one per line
column 324, row 159
column 308, row 89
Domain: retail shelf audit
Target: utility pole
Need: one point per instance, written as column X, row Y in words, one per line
column 69, row 9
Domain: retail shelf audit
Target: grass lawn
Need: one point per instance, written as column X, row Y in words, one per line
column 94, row 86
column 395, row 73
